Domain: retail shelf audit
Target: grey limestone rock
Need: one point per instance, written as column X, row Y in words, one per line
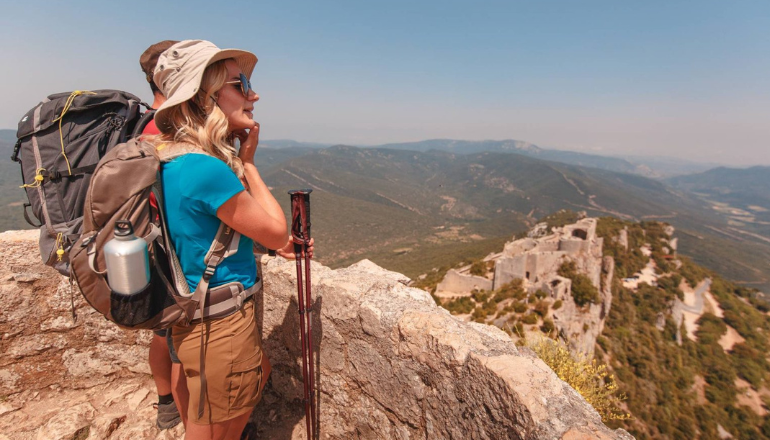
column 389, row 364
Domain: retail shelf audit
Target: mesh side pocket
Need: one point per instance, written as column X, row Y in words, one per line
column 138, row 308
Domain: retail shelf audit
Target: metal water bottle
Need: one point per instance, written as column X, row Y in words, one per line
column 128, row 265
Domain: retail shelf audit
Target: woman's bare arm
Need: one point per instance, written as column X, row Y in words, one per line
column 255, row 213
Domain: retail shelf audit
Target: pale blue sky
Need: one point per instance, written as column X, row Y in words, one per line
column 680, row 78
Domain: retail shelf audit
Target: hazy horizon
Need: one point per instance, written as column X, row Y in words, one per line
column 686, row 80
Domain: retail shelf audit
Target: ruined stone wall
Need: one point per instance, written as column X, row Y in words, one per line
column 533, row 267
column 585, row 228
column 509, row 268
column 572, row 245
column 548, row 264
column 462, row 284
column 623, row 237
column 519, row 246
column 558, row 287
column 548, row 246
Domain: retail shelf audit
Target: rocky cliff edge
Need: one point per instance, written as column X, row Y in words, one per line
column 390, row 364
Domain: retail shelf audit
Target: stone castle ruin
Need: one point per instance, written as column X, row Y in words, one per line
column 536, row 260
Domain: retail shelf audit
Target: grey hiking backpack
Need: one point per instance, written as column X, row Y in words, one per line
column 59, row 143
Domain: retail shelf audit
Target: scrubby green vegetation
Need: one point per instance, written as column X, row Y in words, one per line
column 691, row 272
column 559, row 219
column 513, row 290
column 483, row 304
column 460, row 306
column 670, row 284
column 541, row 308
column 628, row 261
column 520, row 307
column 547, row 327
column 480, row 268
column 485, row 309
column 656, row 373
column 583, row 291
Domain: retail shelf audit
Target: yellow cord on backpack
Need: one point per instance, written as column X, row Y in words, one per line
column 38, row 179
column 60, row 246
column 67, row 106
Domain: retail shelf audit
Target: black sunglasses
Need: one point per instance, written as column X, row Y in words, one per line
column 245, row 84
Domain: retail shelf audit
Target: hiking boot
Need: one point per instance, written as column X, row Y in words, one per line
column 168, row 415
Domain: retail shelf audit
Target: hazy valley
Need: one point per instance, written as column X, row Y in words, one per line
column 413, row 211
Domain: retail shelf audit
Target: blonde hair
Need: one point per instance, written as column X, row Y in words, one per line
column 199, row 122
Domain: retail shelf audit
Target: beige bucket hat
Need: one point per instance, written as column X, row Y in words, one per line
column 179, row 71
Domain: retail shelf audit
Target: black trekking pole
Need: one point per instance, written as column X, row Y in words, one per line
column 300, row 233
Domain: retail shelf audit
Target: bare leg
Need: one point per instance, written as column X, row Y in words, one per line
column 229, row 430
column 179, row 390
column 237, row 425
column 160, row 364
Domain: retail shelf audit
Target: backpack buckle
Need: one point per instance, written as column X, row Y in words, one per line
column 209, row 272
column 87, row 241
column 16, row 148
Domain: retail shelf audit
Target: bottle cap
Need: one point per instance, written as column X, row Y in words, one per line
column 123, row 228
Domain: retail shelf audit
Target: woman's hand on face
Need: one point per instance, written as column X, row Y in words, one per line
column 288, row 250
column 249, row 142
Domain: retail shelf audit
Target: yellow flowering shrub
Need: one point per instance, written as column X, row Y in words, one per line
column 587, row 377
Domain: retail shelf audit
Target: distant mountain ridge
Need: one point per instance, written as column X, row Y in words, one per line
column 666, row 166
column 465, row 147
column 723, row 180
column 521, row 147
column 655, row 167
column 743, row 194
column 289, row 143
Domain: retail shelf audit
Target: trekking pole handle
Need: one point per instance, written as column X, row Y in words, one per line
column 300, row 230
column 306, row 199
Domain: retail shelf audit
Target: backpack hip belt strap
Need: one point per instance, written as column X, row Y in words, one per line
column 225, row 300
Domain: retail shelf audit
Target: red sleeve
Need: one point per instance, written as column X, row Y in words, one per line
column 151, row 128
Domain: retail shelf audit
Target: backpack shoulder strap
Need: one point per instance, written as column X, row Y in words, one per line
column 224, row 245
column 169, row 151
column 145, row 119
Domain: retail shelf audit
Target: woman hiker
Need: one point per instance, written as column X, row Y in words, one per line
column 209, row 105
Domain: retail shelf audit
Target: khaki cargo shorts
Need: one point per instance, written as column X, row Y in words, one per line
column 233, row 351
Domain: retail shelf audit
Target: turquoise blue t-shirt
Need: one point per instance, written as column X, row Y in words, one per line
column 194, row 187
